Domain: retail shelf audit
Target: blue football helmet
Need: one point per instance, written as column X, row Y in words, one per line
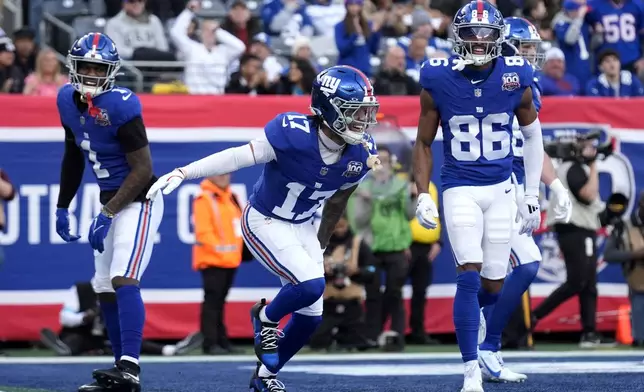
column 93, row 64
column 342, row 97
column 524, row 38
column 478, row 32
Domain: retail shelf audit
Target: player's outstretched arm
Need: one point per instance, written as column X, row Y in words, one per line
column 423, row 160
column 224, row 162
column 332, row 212
column 533, row 153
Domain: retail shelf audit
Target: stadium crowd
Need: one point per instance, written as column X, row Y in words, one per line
column 243, row 47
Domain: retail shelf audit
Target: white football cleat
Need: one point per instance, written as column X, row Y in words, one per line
column 493, row 369
column 473, row 381
column 482, row 328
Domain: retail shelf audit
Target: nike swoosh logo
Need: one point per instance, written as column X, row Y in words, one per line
column 508, row 190
column 126, row 97
column 94, row 232
column 477, row 81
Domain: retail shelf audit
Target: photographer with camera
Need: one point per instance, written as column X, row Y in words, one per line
column 626, row 246
column 577, row 239
column 347, row 265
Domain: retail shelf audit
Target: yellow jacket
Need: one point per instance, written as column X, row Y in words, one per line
column 421, row 234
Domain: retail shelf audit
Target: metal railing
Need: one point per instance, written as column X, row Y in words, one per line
column 14, row 7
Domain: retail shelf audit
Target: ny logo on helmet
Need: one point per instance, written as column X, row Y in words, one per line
column 329, row 84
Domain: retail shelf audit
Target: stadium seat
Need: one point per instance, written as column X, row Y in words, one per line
column 97, row 7
column 254, row 7
column 281, row 46
column 86, row 24
column 212, row 9
column 65, row 10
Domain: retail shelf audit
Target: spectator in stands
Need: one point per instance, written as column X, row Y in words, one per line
column 250, row 79
column 613, row 81
column 394, row 25
column 554, row 79
column 573, row 36
column 278, row 14
column 208, row 61
column 421, row 26
column 416, row 56
column 26, row 52
column 535, row 11
column 8, row 72
column 299, row 79
column 392, row 79
column 240, row 23
column 47, row 79
column 325, row 14
column 356, row 38
column 301, row 49
column 138, row 35
column 260, row 47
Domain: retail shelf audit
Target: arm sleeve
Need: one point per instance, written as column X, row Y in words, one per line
column 574, row 31
column 71, row 171
column 179, row 32
column 577, row 178
column 70, row 315
column 132, row 135
column 532, row 156
column 230, row 160
column 234, row 46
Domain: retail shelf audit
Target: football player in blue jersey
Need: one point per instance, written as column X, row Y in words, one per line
column 475, row 96
column 307, row 160
column 103, row 123
column 621, row 25
column 522, row 38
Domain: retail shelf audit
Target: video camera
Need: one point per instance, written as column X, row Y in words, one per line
column 615, row 208
column 340, row 280
column 570, row 148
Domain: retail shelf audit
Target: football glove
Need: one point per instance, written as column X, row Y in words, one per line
column 62, row 225
column 563, row 204
column 168, row 182
column 426, row 211
column 98, row 231
column 529, row 214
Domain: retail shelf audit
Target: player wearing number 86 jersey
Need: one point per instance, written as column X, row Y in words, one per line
column 307, row 160
column 474, row 97
column 103, row 125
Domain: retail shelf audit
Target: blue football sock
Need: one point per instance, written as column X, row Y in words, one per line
column 293, row 297
column 297, row 334
column 132, row 317
column 110, row 312
column 467, row 313
column 515, row 285
column 486, row 298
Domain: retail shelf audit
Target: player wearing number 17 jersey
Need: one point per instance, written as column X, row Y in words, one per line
column 475, row 96
column 104, row 124
column 308, row 160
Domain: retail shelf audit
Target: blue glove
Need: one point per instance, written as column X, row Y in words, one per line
column 98, row 231
column 62, row 225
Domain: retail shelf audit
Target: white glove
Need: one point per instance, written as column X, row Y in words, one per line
column 167, row 183
column 528, row 214
column 563, row 204
column 459, row 64
column 426, row 211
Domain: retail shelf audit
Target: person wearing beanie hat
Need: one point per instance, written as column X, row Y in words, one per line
column 613, row 81
column 356, row 38
column 619, row 24
column 554, row 79
column 7, row 70
column 574, row 37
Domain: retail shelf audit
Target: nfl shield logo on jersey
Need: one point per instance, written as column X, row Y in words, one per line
column 102, row 118
column 354, row 168
column 477, row 92
column 324, row 171
column 510, row 81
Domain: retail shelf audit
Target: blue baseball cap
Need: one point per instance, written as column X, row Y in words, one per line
column 571, row 5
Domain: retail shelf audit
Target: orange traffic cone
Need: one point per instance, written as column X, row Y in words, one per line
column 624, row 334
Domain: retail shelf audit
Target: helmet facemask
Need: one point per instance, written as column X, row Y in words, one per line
column 354, row 119
column 92, row 76
column 478, row 43
column 531, row 50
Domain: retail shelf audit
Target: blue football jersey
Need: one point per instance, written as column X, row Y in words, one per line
column 294, row 185
column 476, row 118
column 97, row 135
column 518, row 167
column 623, row 27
